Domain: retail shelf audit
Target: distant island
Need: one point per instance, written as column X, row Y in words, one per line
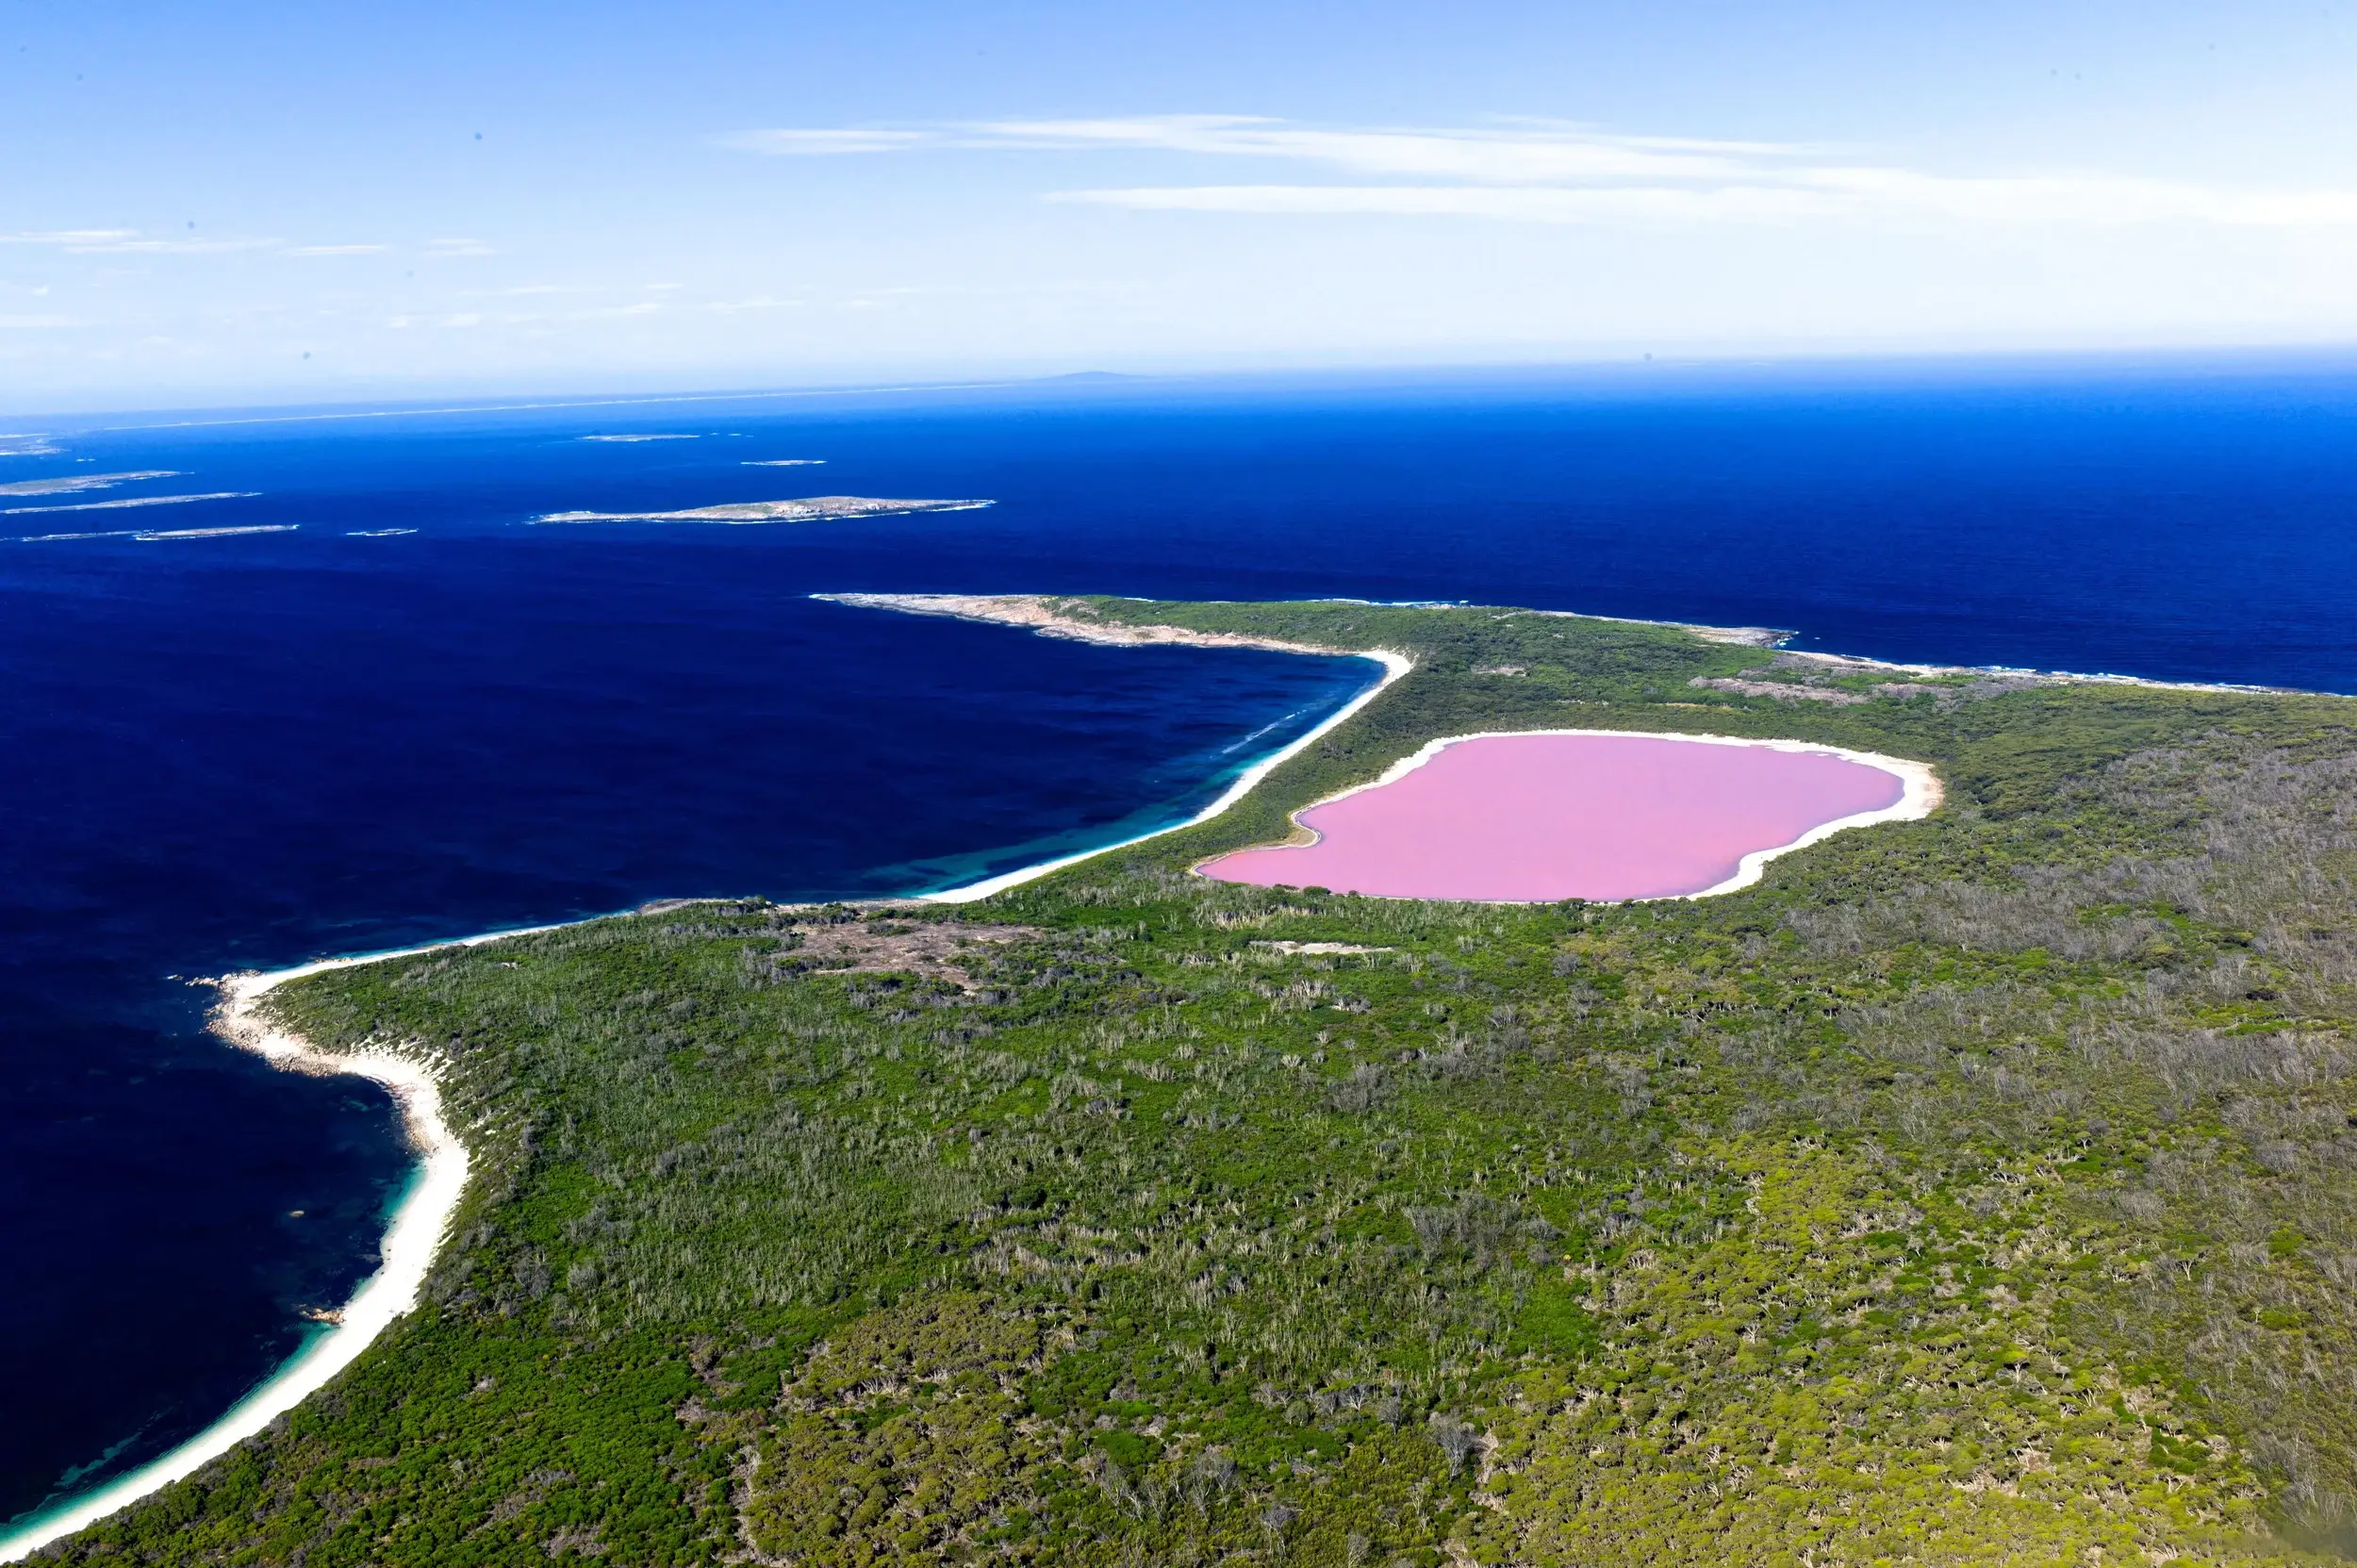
column 1977, row 1184
column 809, row 510
column 130, row 503
column 70, row 484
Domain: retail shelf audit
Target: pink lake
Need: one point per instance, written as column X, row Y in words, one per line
column 1537, row 817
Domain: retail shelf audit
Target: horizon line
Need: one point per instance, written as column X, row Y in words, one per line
column 446, row 404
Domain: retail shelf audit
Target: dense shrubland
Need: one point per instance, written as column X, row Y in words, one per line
column 1982, row 1189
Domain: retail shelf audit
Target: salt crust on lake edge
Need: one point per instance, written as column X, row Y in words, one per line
column 424, row 1215
column 1042, row 612
column 1920, row 796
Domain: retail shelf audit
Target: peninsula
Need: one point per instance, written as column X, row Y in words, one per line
column 1977, row 1184
column 810, row 509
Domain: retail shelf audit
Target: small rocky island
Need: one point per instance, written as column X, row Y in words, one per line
column 817, row 508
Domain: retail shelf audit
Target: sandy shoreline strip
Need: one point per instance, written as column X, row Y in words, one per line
column 1038, row 613
column 418, row 1226
column 408, row 1252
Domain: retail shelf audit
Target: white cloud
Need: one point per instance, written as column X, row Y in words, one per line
column 2086, row 198
column 1552, row 155
column 126, row 242
column 334, row 250
column 824, row 142
column 2016, row 201
column 1617, row 204
column 459, row 247
column 546, row 320
column 1562, row 173
column 67, row 236
column 668, row 308
column 168, row 247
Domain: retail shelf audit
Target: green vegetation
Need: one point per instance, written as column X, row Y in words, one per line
column 1976, row 1190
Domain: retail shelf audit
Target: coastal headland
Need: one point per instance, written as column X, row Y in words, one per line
column 1098, row 619
column 1973, row 1186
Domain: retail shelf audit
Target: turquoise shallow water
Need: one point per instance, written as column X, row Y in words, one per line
column 248, row 750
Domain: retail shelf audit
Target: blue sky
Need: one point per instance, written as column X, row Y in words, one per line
column 441, row 198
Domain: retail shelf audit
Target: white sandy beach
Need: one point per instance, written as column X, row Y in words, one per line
column 1038, row 613
column 419, row 1225
column 409, row 1247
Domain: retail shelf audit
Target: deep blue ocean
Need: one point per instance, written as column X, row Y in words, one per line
column 246, row 749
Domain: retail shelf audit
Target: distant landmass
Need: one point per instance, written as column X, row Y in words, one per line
column 129, row 500
column 70, row 484
column 809, row 510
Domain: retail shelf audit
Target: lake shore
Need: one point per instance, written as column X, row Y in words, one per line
column 1921, row 794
